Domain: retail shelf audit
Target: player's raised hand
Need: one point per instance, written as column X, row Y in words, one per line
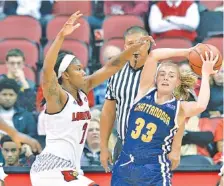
column 208, row 63
column 105, row 157
column 71, row 24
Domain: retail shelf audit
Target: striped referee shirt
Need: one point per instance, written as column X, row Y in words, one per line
column 123, row 87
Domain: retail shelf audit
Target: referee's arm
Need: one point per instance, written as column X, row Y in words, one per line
column 108, row 116
column 107, row 121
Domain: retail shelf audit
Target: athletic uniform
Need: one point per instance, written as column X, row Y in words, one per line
column 59, row 162
column 151, row 128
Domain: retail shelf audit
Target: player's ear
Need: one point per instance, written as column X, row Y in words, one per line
column 64, row 75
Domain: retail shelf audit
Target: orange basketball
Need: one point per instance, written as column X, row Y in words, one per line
column 195, row 59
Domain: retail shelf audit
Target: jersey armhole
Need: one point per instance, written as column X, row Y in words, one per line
column 149, row 91
column 61, row 109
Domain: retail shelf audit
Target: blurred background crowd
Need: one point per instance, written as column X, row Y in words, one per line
column 28, row 27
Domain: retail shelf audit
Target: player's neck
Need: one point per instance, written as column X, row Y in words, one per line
column 137, row 64
column 162, row 98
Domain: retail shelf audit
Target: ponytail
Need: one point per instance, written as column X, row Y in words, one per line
column 188, row 81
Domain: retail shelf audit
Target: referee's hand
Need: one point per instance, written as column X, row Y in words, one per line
column 147, row 39
column 105, row 157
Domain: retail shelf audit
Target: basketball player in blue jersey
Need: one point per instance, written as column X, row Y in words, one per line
column 156, row 116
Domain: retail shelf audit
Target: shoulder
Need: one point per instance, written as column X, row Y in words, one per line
column 181, row 112
column 182, row 104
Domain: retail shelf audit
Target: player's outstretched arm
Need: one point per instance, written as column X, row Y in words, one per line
column 115, row 64
column 53, row 93
column 197, row 107
column 19, row 138
column 149, row 71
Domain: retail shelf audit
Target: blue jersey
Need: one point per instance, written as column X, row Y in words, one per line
column 151, row 127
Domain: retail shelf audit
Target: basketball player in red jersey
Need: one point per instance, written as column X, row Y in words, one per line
column 67, row 113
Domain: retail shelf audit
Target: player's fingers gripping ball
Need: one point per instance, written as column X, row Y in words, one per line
column 195, row 60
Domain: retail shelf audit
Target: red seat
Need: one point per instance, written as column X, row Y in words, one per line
column 81, row 34
column 29, row 49
column 78, row 48
column 24, row 27
column 3, row 69
column 211, row 5
column 115, row 26
column 118, row 42
column 70, row 7
column 173, row 43
column 216, row 41
column 29, row 73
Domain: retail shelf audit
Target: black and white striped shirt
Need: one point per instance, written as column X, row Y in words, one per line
column 123, row 87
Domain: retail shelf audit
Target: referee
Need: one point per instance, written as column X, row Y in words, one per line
column 121, row 90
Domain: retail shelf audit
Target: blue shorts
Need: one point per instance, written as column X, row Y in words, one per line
column 155, row 171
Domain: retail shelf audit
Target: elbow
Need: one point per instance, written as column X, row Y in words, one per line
column 201, row 108
column 154, row 55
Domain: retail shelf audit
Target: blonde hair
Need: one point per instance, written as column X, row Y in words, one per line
column 187, row 81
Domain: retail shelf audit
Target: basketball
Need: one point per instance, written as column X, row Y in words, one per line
column 195, row 60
